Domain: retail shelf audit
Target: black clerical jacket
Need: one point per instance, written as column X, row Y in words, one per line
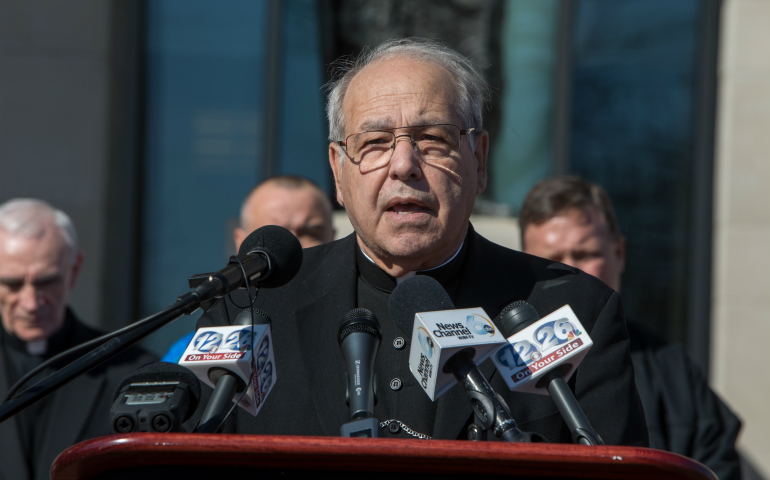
column 78, row 411
column 309, row 393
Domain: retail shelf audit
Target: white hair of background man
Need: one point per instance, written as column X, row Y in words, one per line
column 28, row 217
column 472, row 89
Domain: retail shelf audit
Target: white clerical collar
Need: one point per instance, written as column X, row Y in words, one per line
column 37, row 347
column 412, row 274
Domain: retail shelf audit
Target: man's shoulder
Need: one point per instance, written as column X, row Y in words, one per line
column 555, row 278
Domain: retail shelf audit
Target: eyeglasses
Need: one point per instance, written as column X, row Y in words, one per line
column 437, row 144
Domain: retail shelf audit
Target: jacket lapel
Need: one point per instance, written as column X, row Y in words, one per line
column 331, row 293
column 12, row 464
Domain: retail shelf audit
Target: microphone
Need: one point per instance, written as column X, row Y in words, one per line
column 157, row 397
column 224, row 358
column 359, row 338
column 541, row 355
column 270, row 257
column 446, row 344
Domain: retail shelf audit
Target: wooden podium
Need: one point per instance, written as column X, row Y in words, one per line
column 149, row 456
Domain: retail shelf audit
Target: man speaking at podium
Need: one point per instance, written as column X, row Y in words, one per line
column 409, row 156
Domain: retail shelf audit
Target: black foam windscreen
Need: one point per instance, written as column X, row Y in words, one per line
column 283, row 250
column 420, row 293
column 164, row 372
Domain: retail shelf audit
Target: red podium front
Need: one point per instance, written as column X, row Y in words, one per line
column 179, row 455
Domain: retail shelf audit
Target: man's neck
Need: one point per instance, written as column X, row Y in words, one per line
column 399, row 267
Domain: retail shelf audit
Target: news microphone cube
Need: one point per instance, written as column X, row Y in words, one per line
column 557, row 341
column 436, row 336
column 232, row 348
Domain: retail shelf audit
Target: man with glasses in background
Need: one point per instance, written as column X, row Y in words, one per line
column 409, row 156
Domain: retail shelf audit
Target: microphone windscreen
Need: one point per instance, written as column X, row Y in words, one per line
column 282, row 247
column 420, row 293
column 164, row 372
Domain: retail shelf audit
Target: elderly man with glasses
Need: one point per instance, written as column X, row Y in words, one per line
column 409, row 156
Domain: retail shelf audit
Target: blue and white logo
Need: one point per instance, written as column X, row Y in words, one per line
column 479, row 325
column 239, row 340
column 425, row 342
column 208, row 342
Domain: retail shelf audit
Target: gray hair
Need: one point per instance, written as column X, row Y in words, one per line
column 472, row 90
column 28, row 217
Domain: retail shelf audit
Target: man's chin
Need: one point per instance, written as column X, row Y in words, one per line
column 31, row 334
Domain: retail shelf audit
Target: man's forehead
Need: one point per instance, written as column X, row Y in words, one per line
column 381, row 94
column 49, row 248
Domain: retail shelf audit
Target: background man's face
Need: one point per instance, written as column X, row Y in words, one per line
column 407, row 209
column 299, row 210
column 582, row 239
column 36, row 276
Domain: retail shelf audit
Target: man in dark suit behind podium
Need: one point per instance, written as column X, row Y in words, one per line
column 409, row 157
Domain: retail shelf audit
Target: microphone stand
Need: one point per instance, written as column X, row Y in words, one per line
column 185, row 305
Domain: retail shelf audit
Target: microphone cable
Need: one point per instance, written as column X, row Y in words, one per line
column 252, row 301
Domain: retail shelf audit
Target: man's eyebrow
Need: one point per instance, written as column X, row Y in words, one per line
column 388, row 124
column 11, row 280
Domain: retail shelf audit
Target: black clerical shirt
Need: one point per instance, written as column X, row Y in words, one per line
column 400, row 399
column 32, row 421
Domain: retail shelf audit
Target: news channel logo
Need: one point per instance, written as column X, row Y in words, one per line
column 207, row 342
column 239, row 340
column 425, row 342
column 479, row 325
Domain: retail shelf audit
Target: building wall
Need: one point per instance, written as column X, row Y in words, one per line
column 54, row 128
column 741, row 297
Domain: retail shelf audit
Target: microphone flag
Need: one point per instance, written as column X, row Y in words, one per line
column 557, row 341
column 436, row 336
column 233, row 348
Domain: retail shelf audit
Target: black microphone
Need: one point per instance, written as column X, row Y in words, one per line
column 359, row 338
column 270, row 256
column 157, row 397
column 516, row 317
column 424, row 294
column 228, row 384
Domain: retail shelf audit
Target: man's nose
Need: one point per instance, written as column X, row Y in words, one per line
column 30, row 297
column 405, row 163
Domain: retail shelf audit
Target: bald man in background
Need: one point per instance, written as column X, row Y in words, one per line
column 289, row 201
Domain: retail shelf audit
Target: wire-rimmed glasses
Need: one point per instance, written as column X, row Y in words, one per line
column 435, row 144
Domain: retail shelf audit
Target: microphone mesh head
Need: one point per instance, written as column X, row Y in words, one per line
column 420, row 293
column 283, row 249
column 516, row 317
column 260, row 317
column 511, row 306
column 359, row 320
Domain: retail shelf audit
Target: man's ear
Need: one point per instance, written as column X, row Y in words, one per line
column 334, row 162
column 76, row 268
column 239, row 235
column 481, row 151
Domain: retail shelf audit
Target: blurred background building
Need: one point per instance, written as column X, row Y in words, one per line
column 149, row 121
